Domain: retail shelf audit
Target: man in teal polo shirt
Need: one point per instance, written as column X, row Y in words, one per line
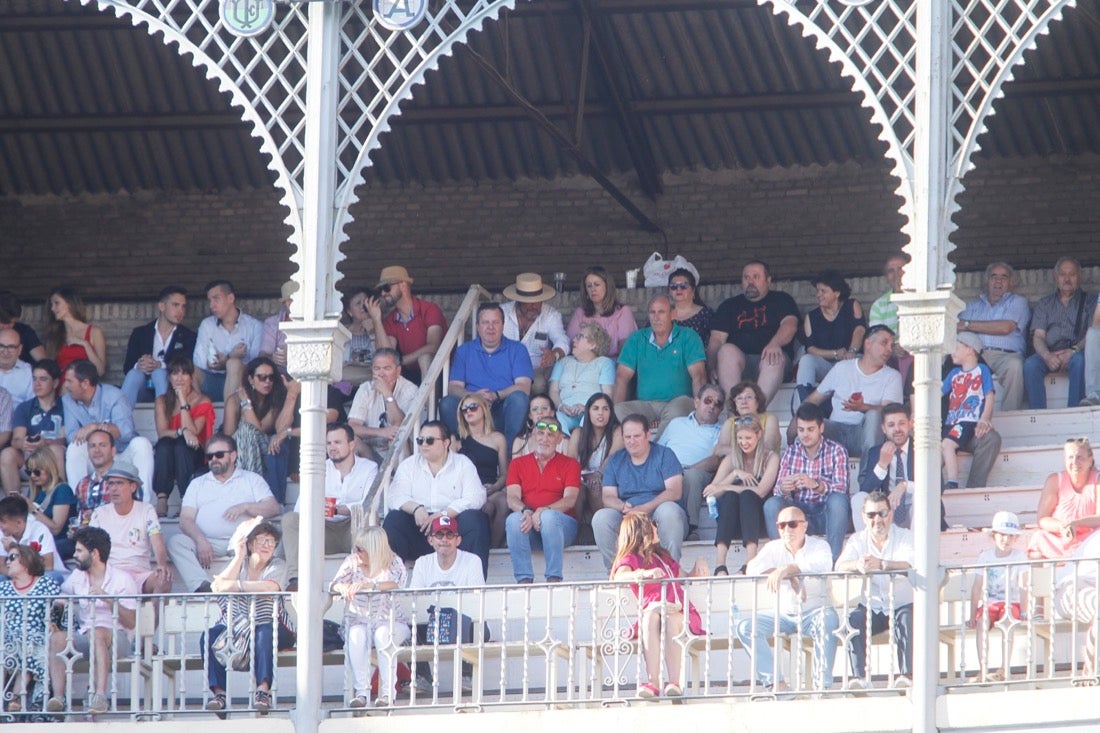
column 670, row 365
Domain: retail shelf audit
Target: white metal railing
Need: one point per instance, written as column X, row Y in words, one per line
column 424, row 402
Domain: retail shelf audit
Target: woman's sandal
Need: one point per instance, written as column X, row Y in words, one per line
column 721, row 570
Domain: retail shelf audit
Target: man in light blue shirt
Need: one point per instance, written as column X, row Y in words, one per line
column 91, row 406
column 1000, row 319
column 693, row 438
column 227, row 340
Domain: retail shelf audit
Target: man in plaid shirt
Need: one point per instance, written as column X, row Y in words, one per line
column 813, row 476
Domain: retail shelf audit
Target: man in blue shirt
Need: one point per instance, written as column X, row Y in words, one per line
column 643, row 477
column 91, row 406
column 693, row 439
column 497, row 368
column 1000, row 319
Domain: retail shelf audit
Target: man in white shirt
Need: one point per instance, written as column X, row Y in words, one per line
column 154, row 344
column 227, row 340
column 19, row 527
column 802, row 603
column 879, row 548
column 15, row 374
column 529, row 319
column 213, row 506
column 435, row 482
column 348, row 477
column 380, row 405
column 134, row 530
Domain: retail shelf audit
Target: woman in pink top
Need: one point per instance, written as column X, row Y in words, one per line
column 599, row 304
column 1068, row 504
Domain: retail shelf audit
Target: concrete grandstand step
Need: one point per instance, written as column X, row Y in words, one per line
column 1018, row 465
column 1053, row 425
column 974, row 508
column 962, row 545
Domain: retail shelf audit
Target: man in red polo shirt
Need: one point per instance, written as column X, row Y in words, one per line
column 542, row 490
column 418, row 325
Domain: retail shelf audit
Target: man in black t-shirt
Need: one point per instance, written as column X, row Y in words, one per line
column 752, row 333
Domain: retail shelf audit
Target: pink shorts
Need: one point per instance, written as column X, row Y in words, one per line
column 138, row 576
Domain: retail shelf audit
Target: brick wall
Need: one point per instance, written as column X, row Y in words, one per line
column 125, row 246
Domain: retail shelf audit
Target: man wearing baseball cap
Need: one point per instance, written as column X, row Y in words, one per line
column 417, row 325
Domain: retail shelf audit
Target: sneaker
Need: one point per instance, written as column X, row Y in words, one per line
column 262, row 701
column 901, row 682
column 673, row 690
column 1092, row 399
column 382, row 702
column 97, row 703
column 647, row 691
column 359, row 701
column 55, row 705
column 856, row 684
column 217, row 703
column 423, row 687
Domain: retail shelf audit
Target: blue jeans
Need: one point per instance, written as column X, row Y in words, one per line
column 213, row 384
column 277, row 467
column 263, row 656
column 558, row 532
column 1036, row 370
column 829, row 518
column 756, row 634
column 136, row 385
column 672, row 528
column 509, row 415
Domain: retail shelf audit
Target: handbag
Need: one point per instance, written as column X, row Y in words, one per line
column 233, row 648
column 446, row 627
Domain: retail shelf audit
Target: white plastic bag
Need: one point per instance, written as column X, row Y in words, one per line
column 657, row 269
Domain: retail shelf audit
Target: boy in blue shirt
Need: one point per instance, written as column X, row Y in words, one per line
column 969, row 387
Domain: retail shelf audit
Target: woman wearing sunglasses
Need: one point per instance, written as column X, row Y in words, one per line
column 185, row 421
column 688, row 309
column 25, row 599
column 52, row 500
column 487, row 450
column 373, row 618
column 260, row 417
column 745, row 478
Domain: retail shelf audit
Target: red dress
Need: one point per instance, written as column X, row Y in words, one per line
column 69, row 353
column 203, row 409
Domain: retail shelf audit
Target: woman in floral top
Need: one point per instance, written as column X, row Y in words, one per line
column 24, row 601
column 373, row 618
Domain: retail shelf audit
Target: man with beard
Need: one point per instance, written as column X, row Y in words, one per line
column 213, row 505
column 417, row 325
column 879, row 548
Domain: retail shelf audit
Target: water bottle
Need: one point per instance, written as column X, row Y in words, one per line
column 712, row 507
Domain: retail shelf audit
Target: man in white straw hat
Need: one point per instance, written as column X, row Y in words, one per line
column 529, row 319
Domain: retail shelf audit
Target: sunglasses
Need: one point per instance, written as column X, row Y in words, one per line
column 678, row 286
column 36, row 472
column 430, row 440
column 712, row 401
column 445, row 535
column 879, row 328
column 789, row 524
column 13, row 557
column 385, row 289
column 1079, row 441
column 742, row 421
column 883, row 513
column 551, row 426
column 265, row 377
column 361, row 549
column 217, row 454
column 472, row 407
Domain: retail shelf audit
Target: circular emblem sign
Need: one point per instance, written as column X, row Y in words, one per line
column 399, row 15
column 247, row 18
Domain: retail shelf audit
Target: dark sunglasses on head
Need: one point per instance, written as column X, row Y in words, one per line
column 265, row 377
column 551, row 426
column 217, row 454
column 789, row 524
column 679, row 286
column 430, row 440
column 880, row 513
column 879, row 328
column 747, row 420
column 472, row 407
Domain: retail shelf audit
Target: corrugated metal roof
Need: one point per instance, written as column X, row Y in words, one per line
column 90, row 104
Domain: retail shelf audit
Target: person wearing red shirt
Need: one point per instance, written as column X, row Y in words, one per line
column 416, row 324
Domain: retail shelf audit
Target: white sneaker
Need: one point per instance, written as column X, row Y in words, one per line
column 856, row 684
column 1092, row 399
column 901, row 682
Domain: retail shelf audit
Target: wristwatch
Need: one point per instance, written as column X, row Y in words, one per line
column 390, row 399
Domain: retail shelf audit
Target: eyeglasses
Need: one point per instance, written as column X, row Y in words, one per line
column 361, row 549
column 472, row 407
column 36, row 472
column 445, row 535
column 265, row 542
column 264, row 377
column 883, row 513
column 13, row 557
column 679, row 286
column 9, row 347
column 217, row 454
column 430, row 440
column 553, row 427
column 710, row 401
column 789, row 524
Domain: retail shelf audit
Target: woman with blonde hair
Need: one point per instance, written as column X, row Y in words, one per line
column 69, row 335
column 487, row 449
column 744, row 479
column 640, row 557
column 373, row 618
column 52, row 500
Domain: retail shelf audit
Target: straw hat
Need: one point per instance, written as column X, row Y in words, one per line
column 394, row 274
column 529, row 289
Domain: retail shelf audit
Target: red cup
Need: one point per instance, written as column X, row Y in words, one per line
column 330, row 507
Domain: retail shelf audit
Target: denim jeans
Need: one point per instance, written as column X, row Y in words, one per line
column 671, row 521
column 1035, row 372
column 263, row 656
column 757, row 634
column 558, row 532
column 903, row 637
column 136, row 385
column 277, row 467
column 828, row 518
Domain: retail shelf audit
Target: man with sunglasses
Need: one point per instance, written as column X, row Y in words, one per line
column 213, row 506
column 417, row 325
column 542, row 487
column 858, row 390
column 881, row 547
column 798, row 602
column 693, row 438
column 433, row 483
column 643, row 477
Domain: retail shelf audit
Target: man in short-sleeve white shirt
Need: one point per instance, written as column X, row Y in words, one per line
column 213, row 505
column 380, row 405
